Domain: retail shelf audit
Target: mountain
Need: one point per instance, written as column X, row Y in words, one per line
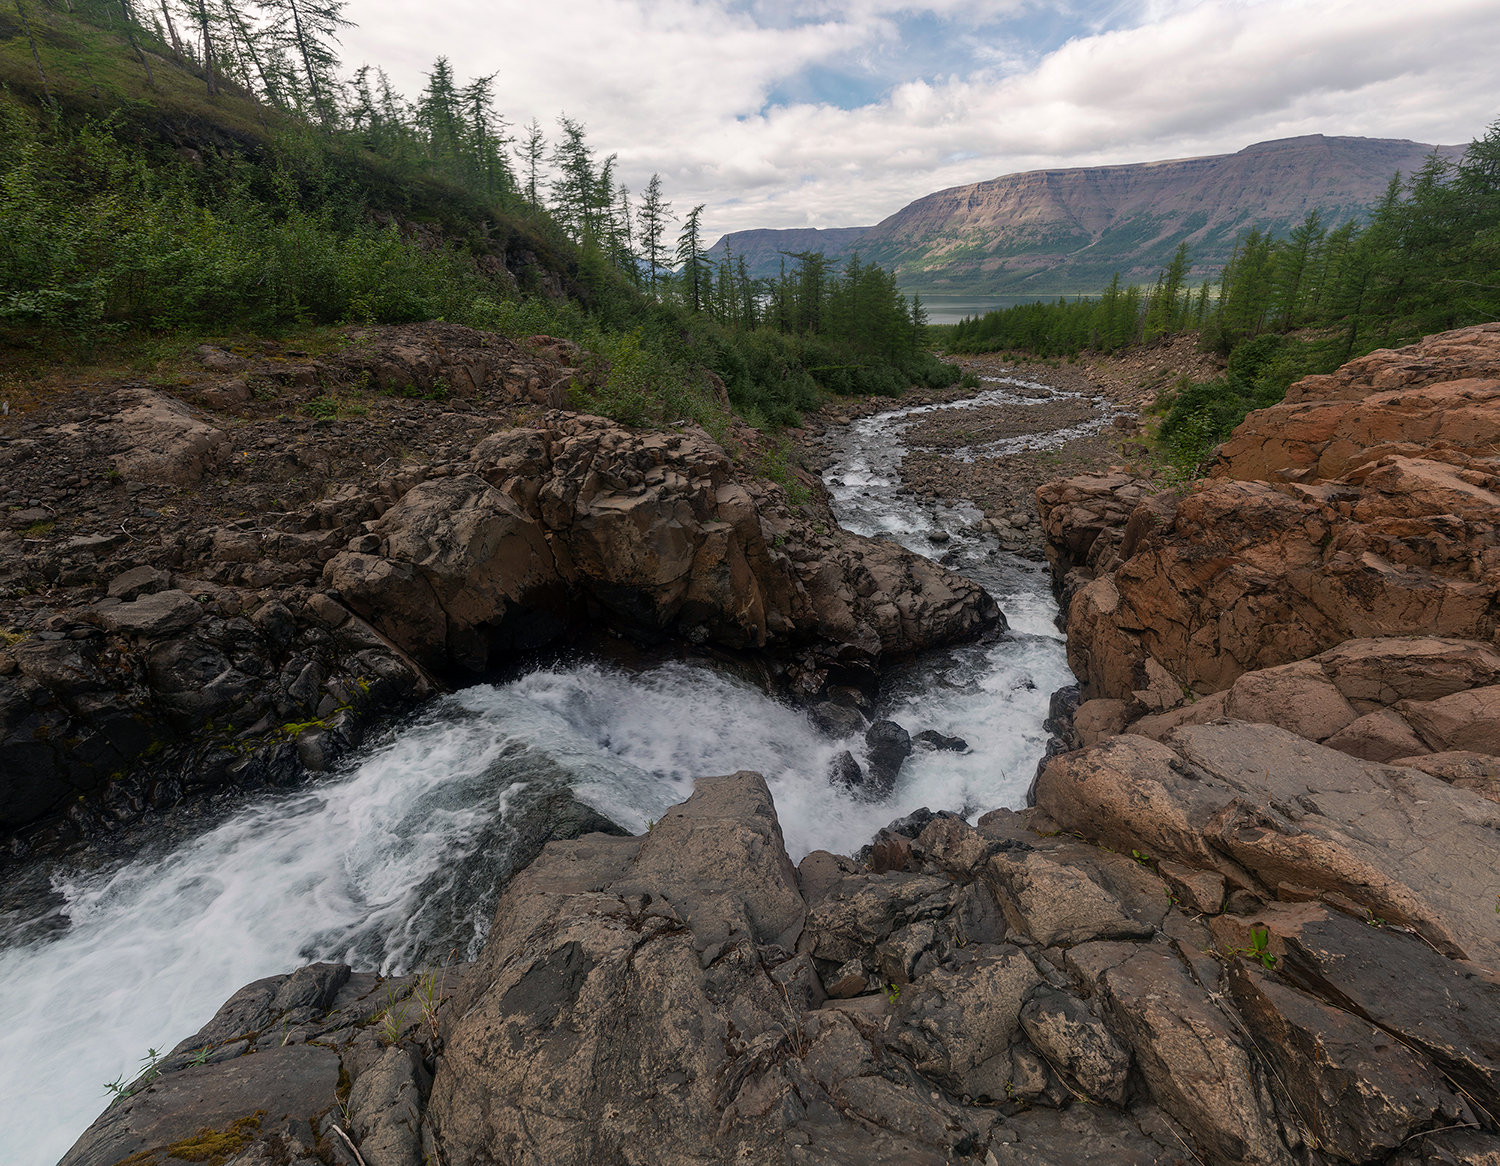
column 1056, row 232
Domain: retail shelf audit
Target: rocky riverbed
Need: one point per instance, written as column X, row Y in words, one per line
column 1251, row 916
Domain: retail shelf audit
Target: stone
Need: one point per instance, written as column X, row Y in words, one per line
column 165, row 441
column 1465, row 721
column 1409, row 668
column 1076, row 1136
column 1096, row 719
column 849, row 979
column 862, row 910
column 1360, row 1092
column 728, row 825
column 1447, row 1010
column 154, row 616
column 385, row 1109
column 845, row 771
column 1379, row 736
column 138, row 581
column 578, row 518
column 1297, row 697
column 596, row 1022
column 1196, row 1066
column 887, row 746
column 1054, row 900
column 1254, row 802
column 1479, row 772
column 952, row 1022
column 1450, row 1148
column 1077, row 1042
column 836, row 719
column 298, row 1080
column 931, row 739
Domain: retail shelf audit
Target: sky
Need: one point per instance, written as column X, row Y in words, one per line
column 832, row 113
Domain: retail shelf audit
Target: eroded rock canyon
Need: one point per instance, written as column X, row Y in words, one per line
column 1252, row 915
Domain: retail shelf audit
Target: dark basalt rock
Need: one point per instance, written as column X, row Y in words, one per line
column 937, row 742
column 888, row 746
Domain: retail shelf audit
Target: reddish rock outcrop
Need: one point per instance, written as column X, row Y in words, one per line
column 1337, row 576
column 1387, row 530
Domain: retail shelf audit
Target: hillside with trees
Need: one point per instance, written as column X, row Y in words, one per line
column 204, row 167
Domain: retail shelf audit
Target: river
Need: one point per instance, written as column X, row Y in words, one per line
column 390, row 863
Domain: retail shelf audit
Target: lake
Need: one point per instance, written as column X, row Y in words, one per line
column 943, row 309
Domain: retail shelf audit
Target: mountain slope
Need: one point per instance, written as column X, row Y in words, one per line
column 1065, row 231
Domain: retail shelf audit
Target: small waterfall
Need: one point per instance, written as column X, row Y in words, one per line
column 394, row 861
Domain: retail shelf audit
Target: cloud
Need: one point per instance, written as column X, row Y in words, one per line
column 775, row 113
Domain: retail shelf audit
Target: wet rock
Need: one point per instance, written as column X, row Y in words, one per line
column 887, row 746
column 932, row 740
column 314, row 986
column 844, row 770
column 836, row 719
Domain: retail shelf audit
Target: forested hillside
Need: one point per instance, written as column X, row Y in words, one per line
column 206, row 167
column 1427, row 260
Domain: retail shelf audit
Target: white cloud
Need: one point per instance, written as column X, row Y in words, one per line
column 680, row 87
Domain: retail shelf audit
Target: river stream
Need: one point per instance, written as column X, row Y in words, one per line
column 390, row 863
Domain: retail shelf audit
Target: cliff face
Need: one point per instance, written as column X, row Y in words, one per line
column 1336, row 576
column 1063, row 231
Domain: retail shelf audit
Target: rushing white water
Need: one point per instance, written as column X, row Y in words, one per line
column 394, row 862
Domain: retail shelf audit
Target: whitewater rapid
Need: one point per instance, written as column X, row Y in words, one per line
column 391, row 863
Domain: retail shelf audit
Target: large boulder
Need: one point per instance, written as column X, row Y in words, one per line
column 1281, row 817
column 655, row 532
column 628, row 1007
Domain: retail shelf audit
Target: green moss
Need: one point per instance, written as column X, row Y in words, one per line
column 215, row 1147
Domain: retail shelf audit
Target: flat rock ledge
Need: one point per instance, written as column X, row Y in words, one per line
column 1184, row 953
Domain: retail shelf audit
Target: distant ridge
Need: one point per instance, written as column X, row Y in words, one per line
column 1053, row 232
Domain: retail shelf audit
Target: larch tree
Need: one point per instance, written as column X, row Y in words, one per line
column 653, row 215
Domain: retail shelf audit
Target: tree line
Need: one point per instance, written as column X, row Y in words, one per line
column 1425, row 259
column 106, row 231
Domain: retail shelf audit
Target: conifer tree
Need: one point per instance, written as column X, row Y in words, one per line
column 573, row 195
column 692, row 268
column 654, row 213
column 309, row 29
column 532, row 152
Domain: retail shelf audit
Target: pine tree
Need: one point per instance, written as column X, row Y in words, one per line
column 310, row 29
column 692, row 266
column 532, row 152
column 1296, row 260
column 573, row 196
column 653, row 216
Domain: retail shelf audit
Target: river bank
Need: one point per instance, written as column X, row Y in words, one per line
column 399, row 850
